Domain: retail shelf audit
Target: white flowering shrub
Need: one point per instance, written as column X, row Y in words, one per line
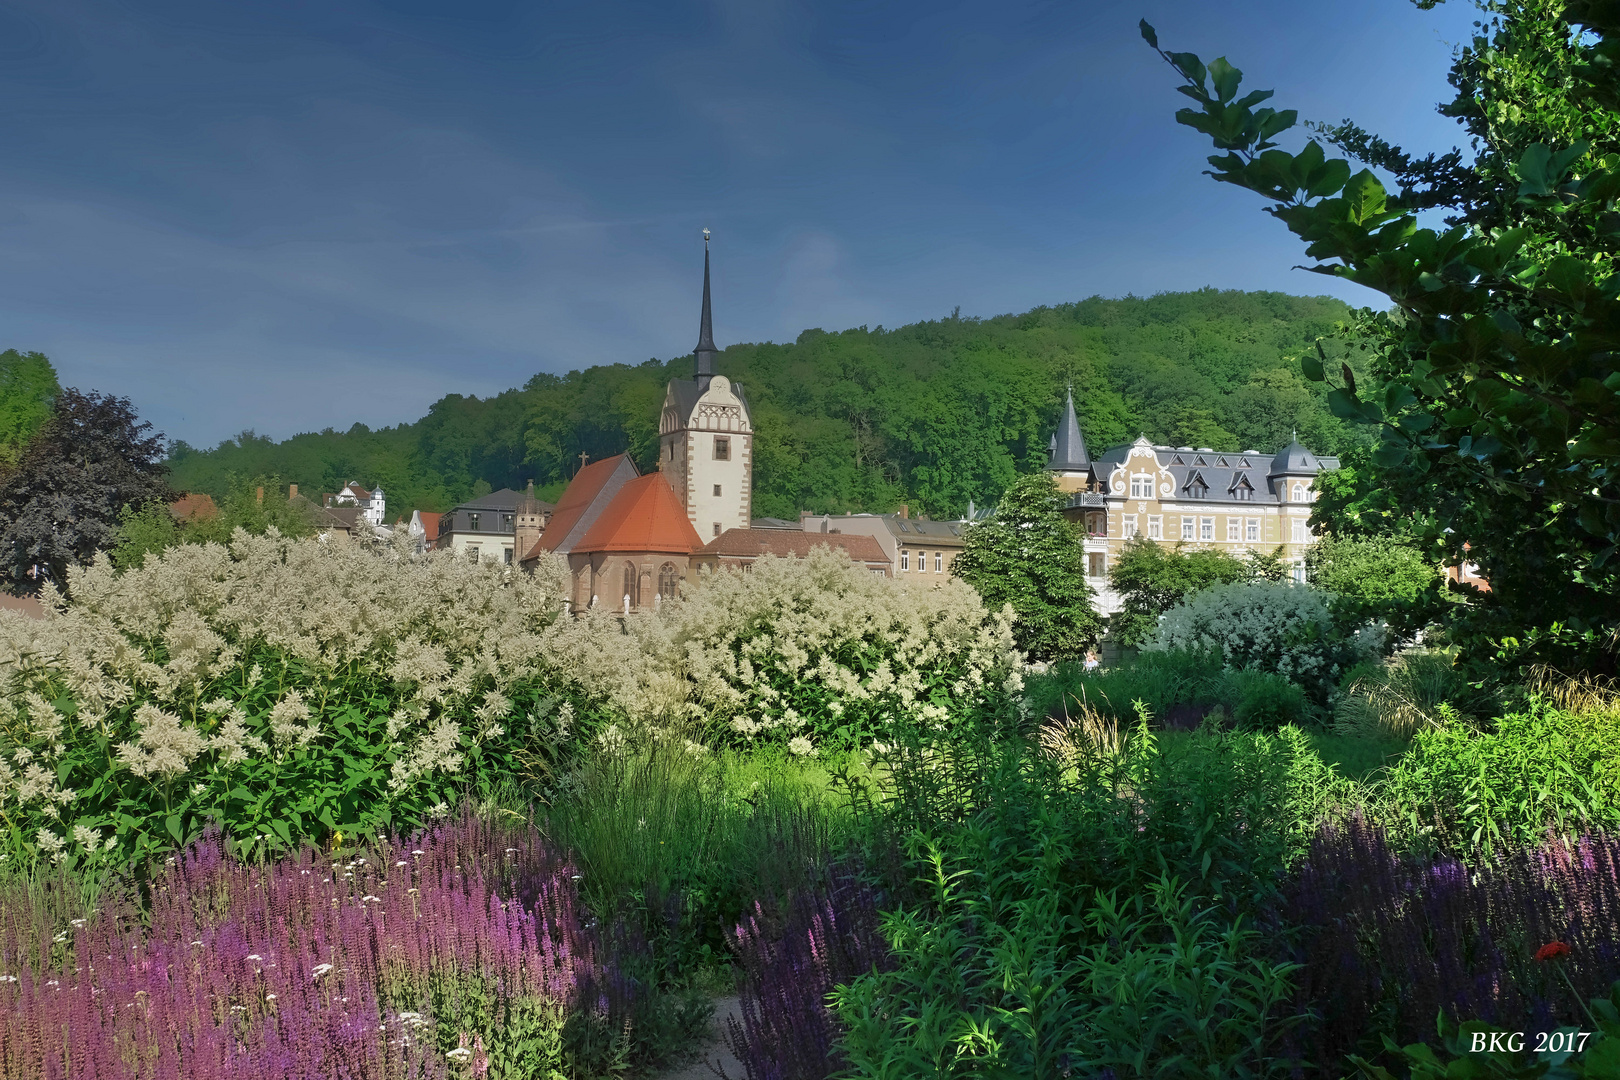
column 288, row 689
column 822, row 649
column 285, row 688
column 1265, row 626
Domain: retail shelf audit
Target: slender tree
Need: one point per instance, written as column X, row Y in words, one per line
column 1027, row 555
column 92, row 459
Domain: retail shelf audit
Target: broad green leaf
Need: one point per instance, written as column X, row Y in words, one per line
column 1343, row 404
column 1149, row 35
column 1311, row 366
column 176, row 827
column 1225, row 78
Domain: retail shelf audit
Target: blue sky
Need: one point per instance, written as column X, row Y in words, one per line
column 291, row 215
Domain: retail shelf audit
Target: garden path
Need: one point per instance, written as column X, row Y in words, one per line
column 715, row 1059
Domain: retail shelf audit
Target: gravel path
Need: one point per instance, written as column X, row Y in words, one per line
column 715, row 1061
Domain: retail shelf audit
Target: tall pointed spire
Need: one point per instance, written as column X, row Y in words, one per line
column 705, row 350
column 1068, row 445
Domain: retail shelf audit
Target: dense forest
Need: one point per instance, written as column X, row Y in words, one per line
column 933, row 414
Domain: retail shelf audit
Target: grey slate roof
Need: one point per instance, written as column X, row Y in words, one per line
column 1068, row 446
column 1225, row 473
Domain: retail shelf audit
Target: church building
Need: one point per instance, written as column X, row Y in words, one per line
column 631, row 539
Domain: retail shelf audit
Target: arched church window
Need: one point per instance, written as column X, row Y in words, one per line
column 669, row 581
column 630, row 583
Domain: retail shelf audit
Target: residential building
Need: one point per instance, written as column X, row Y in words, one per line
column 372, row 504
column 738, row 549
column 422, row 527
column 918, row 550
column 1234, row 502
column 488, row 524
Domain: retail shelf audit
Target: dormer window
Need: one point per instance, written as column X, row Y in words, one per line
column 1241, row 489
column 722, row 448
column 1195, row 487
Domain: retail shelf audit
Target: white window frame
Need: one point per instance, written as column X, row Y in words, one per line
column 1234, row 530
column 1130, row 526
column 1189, row 526
column 1206, row 529
column 1155, row 526
column 905, row 558
column 939, row 562
column 1299, row 492
column 1252, row 527
column 1142, row 485
column 1301, row 534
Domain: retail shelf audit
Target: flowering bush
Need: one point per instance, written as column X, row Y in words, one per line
column 1265, row 626
column 460, row 954
column 1520, row 940
column 788, row 962
column 289, row 688
column 283, row 688
column 815, row 648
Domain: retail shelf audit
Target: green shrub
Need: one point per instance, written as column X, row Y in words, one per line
column 1540, row 768
column 1397, row 699
column 1086, row 913
column 1266, row 626
column 1266, row 701
column 683, row 841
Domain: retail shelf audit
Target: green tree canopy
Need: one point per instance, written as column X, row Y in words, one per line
column 1378, row 578
column 28, row 387
column 93, row 459
column 1493, row 384
column 933, row 414
column 1151, row 578
column 1028, row 555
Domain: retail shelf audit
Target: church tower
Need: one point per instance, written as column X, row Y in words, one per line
column 706, row 439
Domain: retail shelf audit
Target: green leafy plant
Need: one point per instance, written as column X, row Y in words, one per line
column 1028, row 556
column 1493, row 388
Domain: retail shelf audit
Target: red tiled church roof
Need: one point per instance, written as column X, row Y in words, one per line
column 576, row 502
column 644, row 516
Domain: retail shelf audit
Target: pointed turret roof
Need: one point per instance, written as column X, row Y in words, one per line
column 1068, row 446
column 1294, row 458
column 705, row 351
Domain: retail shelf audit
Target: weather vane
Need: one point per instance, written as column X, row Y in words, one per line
column 705, row 237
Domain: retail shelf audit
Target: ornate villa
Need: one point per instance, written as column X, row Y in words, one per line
column 1234, row 502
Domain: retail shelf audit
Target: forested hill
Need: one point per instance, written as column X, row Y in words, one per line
column 933, row 414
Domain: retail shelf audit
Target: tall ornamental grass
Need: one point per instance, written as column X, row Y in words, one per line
column 461, row 952
column 289, row 689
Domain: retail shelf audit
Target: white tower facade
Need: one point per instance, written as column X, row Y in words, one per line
column 706, row 438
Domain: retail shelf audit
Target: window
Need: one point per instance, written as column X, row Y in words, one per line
column 722, row 448
column 472, row 549
column 669, row 581
column 630, row 583
column 1097, row 524
column 1299, row 492
column 472, row 522
column 506, row 522
column 939, row 562
column 905, row 558
column 1142, row 486
column 1234, row 529
column 1187, row 525
column 717, row 528
column 1097, row 564
column 1130, row 525
column 1196, row 488
column 1301, row 534
column 508, row 555
column 717, row 491
column 1254, row 530
column 1206, row 528
column 1299, row 574
column 1155, row 526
